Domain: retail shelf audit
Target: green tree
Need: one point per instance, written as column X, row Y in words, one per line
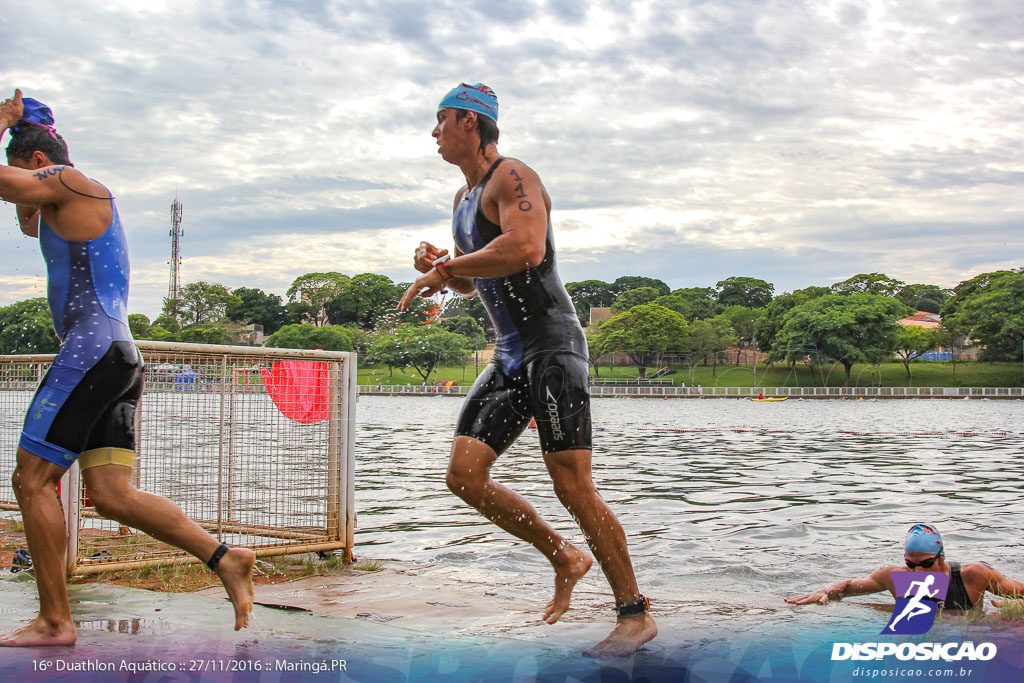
column 595, row 346
column 966, row 289
column 254, row 306
column 204, row 335
column 26, row 327
column 846, row 328
column 315, row 290
column 628, row 282
column 467, row 327
column 956, row 336
column 298, row 312
column 813, row 292
column 203, row 302
column 364, row 300
column 701, row 301
column 160, row 333
column 869, row 283
column 139, row 325
column 748, row 292
column 743, row 321
column 994, row 315
column 928, row 298
column 913, row 341
column 458, row 306
column 169, row 317
column 644, row 332
column 634, row 297
column 770, row 323
column 675, row 302
column 421, row 347
column 708, row 338
column 309, row 336
column 589, row 294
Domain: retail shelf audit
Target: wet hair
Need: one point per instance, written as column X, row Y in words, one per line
column 487, row 127
column 30, row 138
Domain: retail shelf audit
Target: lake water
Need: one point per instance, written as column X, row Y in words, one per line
column 728, row 505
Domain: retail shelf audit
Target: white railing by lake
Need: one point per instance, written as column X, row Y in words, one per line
column 211, row 438
column 657, row 391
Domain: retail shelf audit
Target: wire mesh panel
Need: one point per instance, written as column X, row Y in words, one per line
column 253, row 444
column 19, row 376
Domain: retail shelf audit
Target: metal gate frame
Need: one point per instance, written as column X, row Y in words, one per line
column 340, row 482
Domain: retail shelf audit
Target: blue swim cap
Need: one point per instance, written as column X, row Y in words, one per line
column 478, row 98
column 924, row 538
column 37, row 114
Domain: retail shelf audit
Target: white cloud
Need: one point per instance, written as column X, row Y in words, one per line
column 795, row 143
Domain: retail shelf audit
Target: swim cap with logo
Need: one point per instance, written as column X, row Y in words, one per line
column 924, row 538
column 478, row 98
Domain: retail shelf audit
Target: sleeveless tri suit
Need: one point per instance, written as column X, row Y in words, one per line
column 540, row 367
column 86, row 401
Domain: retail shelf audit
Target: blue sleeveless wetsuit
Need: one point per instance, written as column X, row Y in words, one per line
column 88, row 397
column 540, row 366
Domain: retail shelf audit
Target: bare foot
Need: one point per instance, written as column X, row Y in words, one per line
column 627, row 636
column 570, row 565
column 235, row 572
column 38, row 632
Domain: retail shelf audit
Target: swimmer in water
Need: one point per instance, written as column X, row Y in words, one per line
column 924, row 552
column 504, row 252
column 84, row 407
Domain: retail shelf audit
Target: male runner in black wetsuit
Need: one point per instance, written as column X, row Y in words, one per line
column 84, row 408
column 504, row 252
column 924, row 551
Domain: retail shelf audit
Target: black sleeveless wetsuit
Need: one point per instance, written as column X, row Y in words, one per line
column 956, row 595
column 540, row 367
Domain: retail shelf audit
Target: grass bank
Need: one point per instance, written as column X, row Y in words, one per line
column 923, row 374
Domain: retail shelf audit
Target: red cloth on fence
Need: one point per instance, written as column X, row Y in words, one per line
column 300, row 389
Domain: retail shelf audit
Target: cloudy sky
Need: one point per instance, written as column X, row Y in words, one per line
column 797, row 142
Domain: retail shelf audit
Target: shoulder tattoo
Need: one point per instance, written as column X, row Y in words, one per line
column 524, row 199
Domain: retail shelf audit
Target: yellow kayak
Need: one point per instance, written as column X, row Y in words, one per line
column 767, row 400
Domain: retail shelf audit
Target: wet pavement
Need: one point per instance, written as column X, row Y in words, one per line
column 403, row 624
column 132, row 634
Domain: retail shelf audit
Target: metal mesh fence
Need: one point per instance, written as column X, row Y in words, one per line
column 253, row 444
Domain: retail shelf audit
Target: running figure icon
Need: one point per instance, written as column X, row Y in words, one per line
column 914, row 607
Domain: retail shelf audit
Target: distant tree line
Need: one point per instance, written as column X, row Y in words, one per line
column 854, row 321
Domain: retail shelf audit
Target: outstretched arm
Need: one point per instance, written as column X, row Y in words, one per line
column 875, row 582
column 1000, row 585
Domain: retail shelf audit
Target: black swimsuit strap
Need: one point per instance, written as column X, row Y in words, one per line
column 490, row 171
column 478, row 210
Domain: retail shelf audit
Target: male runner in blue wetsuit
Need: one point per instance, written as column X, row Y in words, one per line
column 85, row 406
column 924, row 551
column 504, row 252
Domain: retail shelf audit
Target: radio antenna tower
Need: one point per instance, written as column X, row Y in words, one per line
column 176, row 233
